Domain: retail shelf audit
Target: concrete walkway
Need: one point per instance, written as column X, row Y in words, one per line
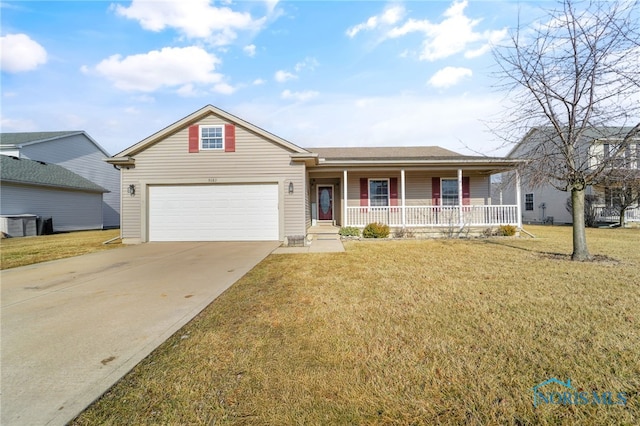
column 72, row 328
column 318, row 245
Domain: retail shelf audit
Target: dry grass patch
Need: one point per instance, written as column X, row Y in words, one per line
column 406, row 332
column 29, row 250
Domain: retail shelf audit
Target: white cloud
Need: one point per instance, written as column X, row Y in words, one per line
column 282, row 76
column 193, row 18
column 17, row 124
column 143, row 98
column 299, row 96
column 169, row 67
column 187, row 91
column 250, row 50
column 449, row 76
column 20, row 53
column 259, row 82
column 390, row 16
column 456, row 33
column 309, row 63
column 224, row 89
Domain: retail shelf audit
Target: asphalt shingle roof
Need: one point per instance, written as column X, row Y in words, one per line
column 20, row 170
column 391, row 153
column 26, row 137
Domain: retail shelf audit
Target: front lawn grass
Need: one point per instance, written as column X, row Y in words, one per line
column 24, row 251
column 404, row 332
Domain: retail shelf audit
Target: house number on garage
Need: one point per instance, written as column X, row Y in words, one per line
column 212, row 180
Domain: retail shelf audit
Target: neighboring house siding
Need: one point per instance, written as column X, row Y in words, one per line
column 255, row 159
column 70, row 210
column 554, row 200
column 83, row 157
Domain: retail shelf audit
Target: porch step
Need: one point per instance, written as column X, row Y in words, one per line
column 324, row 232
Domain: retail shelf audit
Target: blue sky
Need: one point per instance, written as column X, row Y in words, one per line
column 317, row 73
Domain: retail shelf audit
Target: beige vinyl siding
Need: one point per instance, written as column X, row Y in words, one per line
column 255, row 160
column 418, row 186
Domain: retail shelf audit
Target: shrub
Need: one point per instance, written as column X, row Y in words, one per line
column 404, row 233
column 507, row 230
column 490, row 232
column 349, row 231
column 376, row 230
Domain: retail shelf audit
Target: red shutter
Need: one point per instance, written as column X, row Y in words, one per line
column 229, row 138
column 364, row 192
column 194, row 138
column 466, row 191
column 435, row 191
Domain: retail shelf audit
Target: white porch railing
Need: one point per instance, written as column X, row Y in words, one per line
column 433, row 216
column 608, row 214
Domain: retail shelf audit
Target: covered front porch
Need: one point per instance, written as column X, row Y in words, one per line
column 407, row 198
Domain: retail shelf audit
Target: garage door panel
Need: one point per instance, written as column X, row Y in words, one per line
column 214, row 213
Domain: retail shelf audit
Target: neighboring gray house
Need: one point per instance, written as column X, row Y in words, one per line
column 212, row 176
column 75, row 151
column 47, row 190
column 546, row 203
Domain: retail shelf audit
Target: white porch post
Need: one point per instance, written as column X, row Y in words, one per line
column 518, row 200
column 344, row 201
column 404, row 217
column 460, row 218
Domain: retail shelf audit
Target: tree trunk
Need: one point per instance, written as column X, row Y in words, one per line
column 580, row 250
column 622, row 217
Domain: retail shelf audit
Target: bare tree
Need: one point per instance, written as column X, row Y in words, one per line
column 568, row 78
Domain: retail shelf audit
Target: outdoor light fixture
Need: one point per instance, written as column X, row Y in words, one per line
column 131, row 190
column 290, row 187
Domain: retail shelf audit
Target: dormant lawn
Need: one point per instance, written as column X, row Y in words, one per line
column 404, row 332
column 24, row 251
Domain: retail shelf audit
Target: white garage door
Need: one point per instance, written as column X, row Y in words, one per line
column 213, row 212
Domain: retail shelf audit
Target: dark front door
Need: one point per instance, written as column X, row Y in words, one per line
column 325, row 203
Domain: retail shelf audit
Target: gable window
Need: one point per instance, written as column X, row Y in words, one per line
column 450, row 192
column 212, row 137
column 528, row 202
column 379, row 192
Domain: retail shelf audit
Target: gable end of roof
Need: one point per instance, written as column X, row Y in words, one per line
column 199, row 115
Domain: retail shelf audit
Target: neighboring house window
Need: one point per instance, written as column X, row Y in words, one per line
column 528, row 202
column 607, row 151
column 449, row 192
column 212, row 137
column 379, row 192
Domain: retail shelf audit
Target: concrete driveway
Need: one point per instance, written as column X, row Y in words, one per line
column 72, row 328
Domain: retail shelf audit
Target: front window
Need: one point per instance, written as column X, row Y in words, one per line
column 212, row 137
column 450, row 192
column 379, row 192
column 528, row 202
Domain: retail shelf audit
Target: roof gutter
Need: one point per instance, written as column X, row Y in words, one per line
column 120, row 162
